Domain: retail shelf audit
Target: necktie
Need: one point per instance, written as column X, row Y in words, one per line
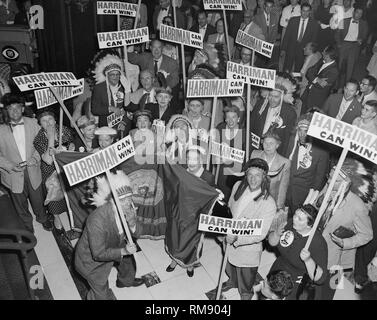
column 155, row 67
column 362, row 98
column 301, row 31
column 17, row 124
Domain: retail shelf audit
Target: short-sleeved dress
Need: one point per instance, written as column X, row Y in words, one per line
column 290, row 245
column 41, row 145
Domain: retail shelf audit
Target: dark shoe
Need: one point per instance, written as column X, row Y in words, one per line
column 170, row 268
column 227, row 286
column 190, row 273
column 48, row 226
column 136, row 283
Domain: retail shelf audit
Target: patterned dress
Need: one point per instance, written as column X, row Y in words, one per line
column 41, row 145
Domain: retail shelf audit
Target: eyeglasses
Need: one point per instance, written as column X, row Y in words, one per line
column 364, row 84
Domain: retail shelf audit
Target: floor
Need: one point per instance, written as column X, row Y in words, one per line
column 153, row 260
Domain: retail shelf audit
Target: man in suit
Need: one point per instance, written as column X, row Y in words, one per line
column 268, row 21
column 344, row 107
column 321, row 79
column 292, row 10
column 202, row 26
column 309, row 166
column 164, row 9
column 157, row 62
column 102, row 244
column 147, row 93
column 276, row 114
column 111, row 96
column 367, row 90
column 219, row 37
column 20, row 163
column 300, row 31
column 350, row 40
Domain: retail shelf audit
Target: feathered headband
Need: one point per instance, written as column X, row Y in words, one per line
column 287, row 87
column 107, row 63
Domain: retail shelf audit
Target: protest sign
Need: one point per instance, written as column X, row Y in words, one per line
column 122, row 38
column 344, row 135
column 46, row 80
column 251, row 75
column 99, row 162
column 241, row 227
column 226, row 152
column 45, row 97
column 181, row 36
column 113, row 119
column 197, row 88
column 116, row 8
column 260, row 46
column 222, row 4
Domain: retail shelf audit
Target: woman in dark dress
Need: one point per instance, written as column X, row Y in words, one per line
column 46, row 143
column 325, row 35
column 290, row 240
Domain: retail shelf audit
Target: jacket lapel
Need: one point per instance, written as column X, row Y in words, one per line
column 12, row 141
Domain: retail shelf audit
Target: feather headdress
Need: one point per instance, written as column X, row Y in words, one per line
column 287, row 87
column 103, row 66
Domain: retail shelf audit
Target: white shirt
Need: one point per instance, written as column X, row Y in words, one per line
column 161, row 15
column 151, row 96
column 299, row 26
column 19, row 137
column 368, row 97
column 288, row 13
column 272, row 113
column 343, row 108
column 202, row 30
column 353, row 31
column 268, row 18
column 220, row 38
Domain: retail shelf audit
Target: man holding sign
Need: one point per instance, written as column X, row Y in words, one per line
column 250, row 199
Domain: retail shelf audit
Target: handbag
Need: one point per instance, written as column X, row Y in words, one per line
column 343, row 232
column 306, row 288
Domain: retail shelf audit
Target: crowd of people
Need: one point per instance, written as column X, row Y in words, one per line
column 283, row 179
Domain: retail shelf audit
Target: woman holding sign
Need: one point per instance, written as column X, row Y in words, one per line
column 290, row 239
column 250, row 199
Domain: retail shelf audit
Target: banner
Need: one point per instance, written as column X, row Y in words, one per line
column 251, row 75
column 45, row 80
column 181, row 36
column 242, row 227
column 255, row 44
column 122, row 38
column 113, row 119
column 344, row 135
column 222, row 4
column 226, row 152
column 201, row 88
column 99, row 162
column 116, row 8
column 45, row 97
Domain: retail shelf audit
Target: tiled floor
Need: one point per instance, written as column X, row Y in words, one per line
column 175, row 285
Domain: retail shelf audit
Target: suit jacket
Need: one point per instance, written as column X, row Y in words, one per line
column 181, row 22
column 292, row 47
column 288, row 116
column 352, row 214
column 271, row 33
column 332, row 105
column 100, row 245
column 169, row 112
column 371, row 96
column 249, row 249
column 213, row 37
column 9, row 156
column 341, row 33
column 315, row 95
column 169, row 65
column 210, row 30
column 279, row 183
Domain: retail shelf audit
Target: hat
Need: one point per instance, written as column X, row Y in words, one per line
column 105, row 131
column 112, row 67
column 310, row 210
column 146, row 113
column 256, row 163
column 85, row 121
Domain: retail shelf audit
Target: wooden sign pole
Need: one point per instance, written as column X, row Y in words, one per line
column 226, row 35
column 214, row 108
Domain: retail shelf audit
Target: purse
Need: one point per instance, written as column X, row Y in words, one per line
column 306, row 288
column 343, row 232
